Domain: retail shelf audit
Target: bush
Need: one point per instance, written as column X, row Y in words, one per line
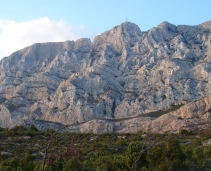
column 105, row 161
column 169, row 157
column 33, row 128
column 198, row 155
column 185, row 132
column 9, row 165
column 196, row 142
column 121, row 142
column 132, row 153
column 174, row 165
column 207, row 151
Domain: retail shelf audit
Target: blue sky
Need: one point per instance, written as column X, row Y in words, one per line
column 24, row 22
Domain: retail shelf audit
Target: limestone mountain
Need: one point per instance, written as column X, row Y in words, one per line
column 123, row 73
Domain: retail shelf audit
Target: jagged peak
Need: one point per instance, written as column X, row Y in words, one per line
column 128, row 23
column 125, row 26
column 128, row 26
column 126, row 32
column 166, row 25
column 206, row 24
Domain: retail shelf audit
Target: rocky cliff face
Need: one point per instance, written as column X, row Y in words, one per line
column 124, row 73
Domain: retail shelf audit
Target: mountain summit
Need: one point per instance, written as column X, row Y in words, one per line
column 124, row 74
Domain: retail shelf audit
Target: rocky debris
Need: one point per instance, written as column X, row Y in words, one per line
column 144, row 135
column 3, row 153
column 124, row 73
column 207, row 143
column 121, row 137
column 185, row 143
column 93, row 138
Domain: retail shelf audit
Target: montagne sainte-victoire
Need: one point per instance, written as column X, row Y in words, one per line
column 126, row 80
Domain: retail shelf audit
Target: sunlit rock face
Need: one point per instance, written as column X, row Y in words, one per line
column 123, row 73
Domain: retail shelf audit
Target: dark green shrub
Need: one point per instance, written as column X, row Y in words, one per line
column 196, row 142
column 207, row 151
column 121, row 142
column 132, row 153
column 167, row 157
column 33, row 128
column 185, row 132
column 198, row 155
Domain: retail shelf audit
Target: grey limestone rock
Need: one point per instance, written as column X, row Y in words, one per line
column 124, row 73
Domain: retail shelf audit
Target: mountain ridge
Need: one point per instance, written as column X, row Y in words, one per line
column 123, row 73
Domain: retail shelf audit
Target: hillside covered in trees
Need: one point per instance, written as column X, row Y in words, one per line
column 33, row 150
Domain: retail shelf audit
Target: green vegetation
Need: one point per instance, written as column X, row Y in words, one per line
column 24, row 150
column 162, row 112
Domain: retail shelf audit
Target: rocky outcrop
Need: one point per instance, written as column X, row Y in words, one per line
column 168, row 122
column 124, row 73
column 196, row 109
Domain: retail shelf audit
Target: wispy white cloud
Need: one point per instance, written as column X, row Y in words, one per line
column 17, row 35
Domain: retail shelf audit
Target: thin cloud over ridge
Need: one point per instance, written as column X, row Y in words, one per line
column 17, row 35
